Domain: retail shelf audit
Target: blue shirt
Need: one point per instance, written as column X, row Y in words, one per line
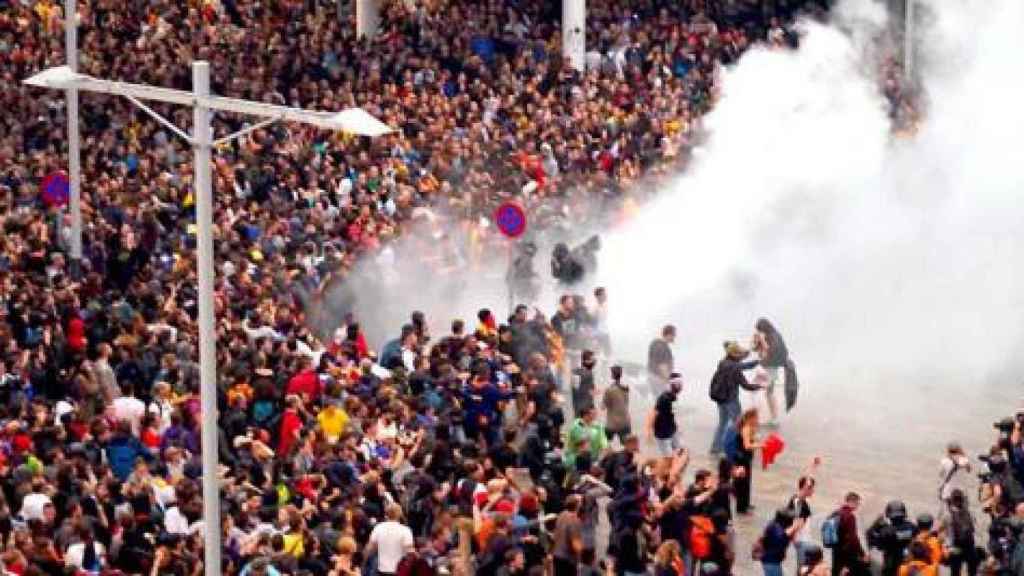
column 776, row 541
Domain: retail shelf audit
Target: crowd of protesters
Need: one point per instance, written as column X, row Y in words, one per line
column 453, row 454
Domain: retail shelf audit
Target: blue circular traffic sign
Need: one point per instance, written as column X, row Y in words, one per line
column 55, row 189
column 511, row 219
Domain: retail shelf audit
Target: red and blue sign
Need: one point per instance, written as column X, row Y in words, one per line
column 511, row 219
column 55, row 189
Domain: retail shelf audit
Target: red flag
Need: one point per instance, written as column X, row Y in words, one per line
column 772, row 447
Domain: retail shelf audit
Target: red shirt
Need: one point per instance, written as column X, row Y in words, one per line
column 290, row 423
column 305, row 384
column 76, row 334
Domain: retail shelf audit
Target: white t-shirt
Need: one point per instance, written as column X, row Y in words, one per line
column 393, row 540
column 32, row 506
column 955, row 472
column 131, row 409
column 76, row 554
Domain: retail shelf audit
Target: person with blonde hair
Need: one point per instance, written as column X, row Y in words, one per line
column 344, row 563
column 391, row 540
column 668, row 560
column 746, row 443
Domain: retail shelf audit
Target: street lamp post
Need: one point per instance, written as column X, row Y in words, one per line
column 74, row 148
column 353, row 120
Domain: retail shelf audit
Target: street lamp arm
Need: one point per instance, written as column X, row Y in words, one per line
column 245, row 131
column 352, row 120
column 167, row 123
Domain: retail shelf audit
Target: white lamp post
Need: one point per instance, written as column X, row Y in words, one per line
column 74, row 149
column 353, row 120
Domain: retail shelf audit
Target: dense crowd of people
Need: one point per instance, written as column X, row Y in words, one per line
column 482, row 451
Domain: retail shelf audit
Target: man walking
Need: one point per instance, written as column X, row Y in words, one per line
column 583, row 384
column 799, row 504
column 848, row 552
column 660, row 363
column 661, row 424
column 616, row 406
column 725, row 390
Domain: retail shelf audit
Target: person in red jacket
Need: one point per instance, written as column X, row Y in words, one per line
column 291, row 426
column 305, row 384
column 76, row 332
column 849, row 553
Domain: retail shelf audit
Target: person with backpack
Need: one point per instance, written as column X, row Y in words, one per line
column 724, row 390
column 709, row 531
column 839, row 532
column 393, row 354
column 892, row 534
column 770, row 548
column 957, row 525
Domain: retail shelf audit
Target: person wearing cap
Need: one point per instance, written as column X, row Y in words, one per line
column 727, row 381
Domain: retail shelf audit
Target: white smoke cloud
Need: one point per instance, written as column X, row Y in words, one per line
column 881, row 260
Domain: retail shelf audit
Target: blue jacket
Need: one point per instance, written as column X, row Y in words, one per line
column 482, row 402
column 122, row 451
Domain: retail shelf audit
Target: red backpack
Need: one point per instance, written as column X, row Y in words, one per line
column 702, row 530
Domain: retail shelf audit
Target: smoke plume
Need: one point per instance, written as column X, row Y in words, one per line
column 889, row 264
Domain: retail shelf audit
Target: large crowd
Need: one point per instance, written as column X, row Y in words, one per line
column 490, row 449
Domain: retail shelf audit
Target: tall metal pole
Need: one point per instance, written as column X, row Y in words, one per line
column 574, row 33
column 74, row 149
column 908, row 40
column 202, row 134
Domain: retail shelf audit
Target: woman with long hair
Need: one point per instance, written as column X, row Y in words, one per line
column 772, row 351
column 668, row 560
column 743, row 469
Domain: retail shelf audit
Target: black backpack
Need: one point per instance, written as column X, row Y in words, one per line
column 719, row 388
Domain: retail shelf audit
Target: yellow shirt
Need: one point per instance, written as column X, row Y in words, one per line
column 332, row 421
column 293, row 545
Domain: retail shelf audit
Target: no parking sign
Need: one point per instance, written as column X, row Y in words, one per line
column 510, row 219
column 55, row 189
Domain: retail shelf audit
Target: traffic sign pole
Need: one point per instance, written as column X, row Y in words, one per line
column 510, row 219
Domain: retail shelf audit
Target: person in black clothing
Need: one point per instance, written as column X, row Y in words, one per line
column 661, row 424
column 628, row 547
column 774, row 355
column 583, row 384
column 743, row 469
column 725, row 389
column 892, row 533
